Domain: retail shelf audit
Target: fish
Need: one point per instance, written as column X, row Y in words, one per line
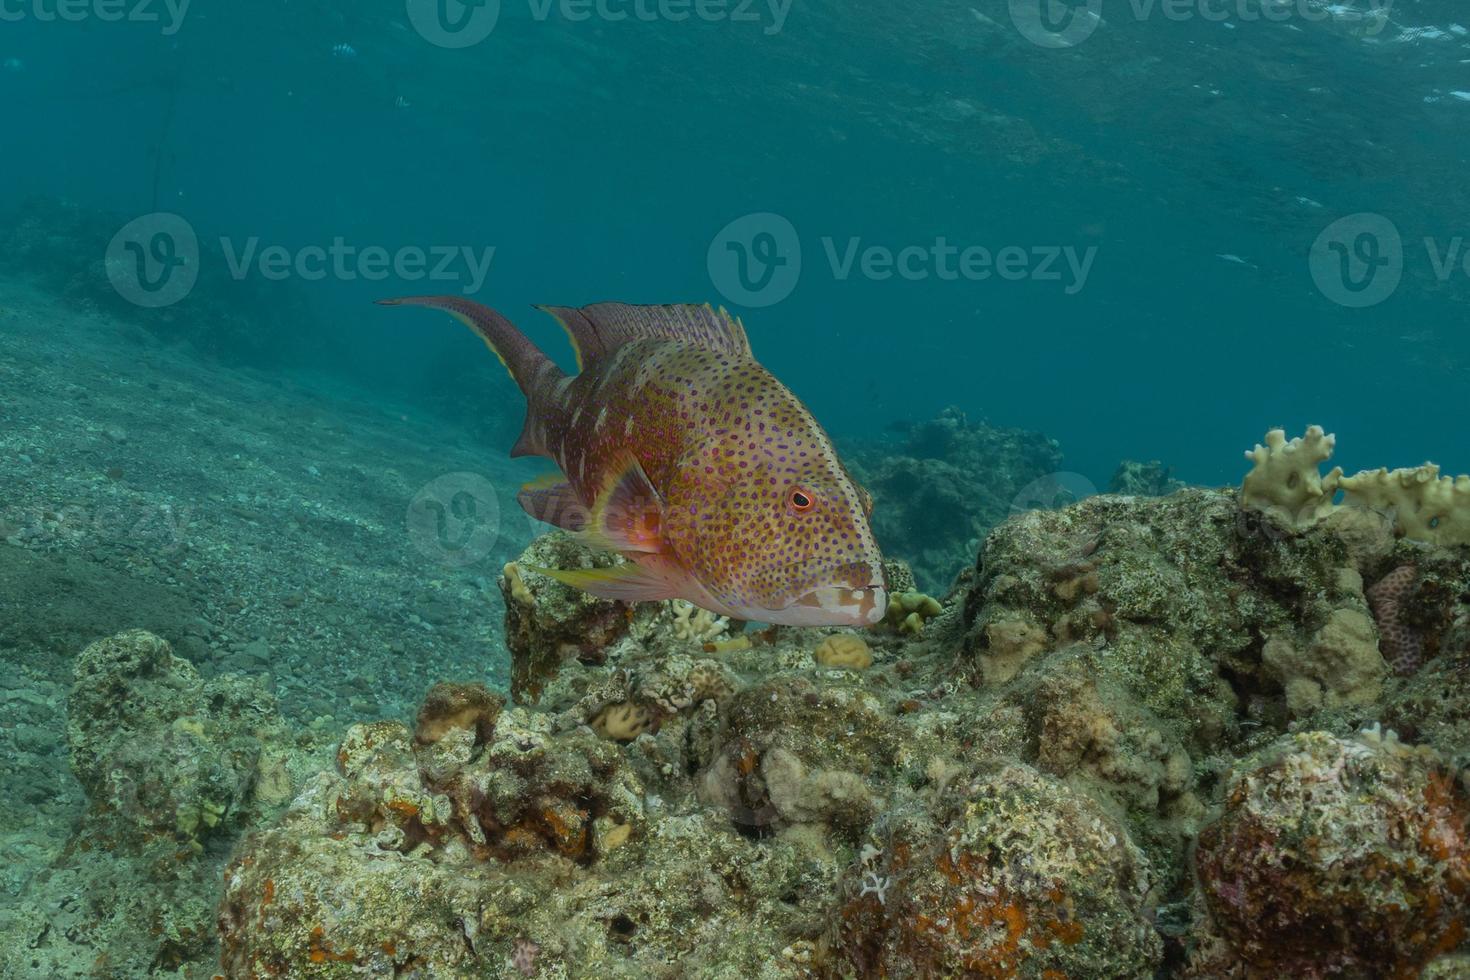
column 679, row 451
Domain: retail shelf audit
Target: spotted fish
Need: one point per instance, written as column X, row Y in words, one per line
column 680, row 452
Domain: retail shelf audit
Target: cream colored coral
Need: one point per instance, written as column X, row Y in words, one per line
column 622, row 722
column 518, row 590
column 695, row 624
column 1425, row 506
column 843, row 650
column 1011, row 642
column 1285, row 480
column 1341, row 665
column 908, row 611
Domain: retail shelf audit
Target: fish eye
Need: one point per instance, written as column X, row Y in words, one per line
column 800, row 499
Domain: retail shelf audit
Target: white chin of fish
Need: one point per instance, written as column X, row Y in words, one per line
column 833, row 607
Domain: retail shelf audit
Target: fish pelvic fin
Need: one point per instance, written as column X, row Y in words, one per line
column 597, row 330
column 552, row 499
column 530, row 368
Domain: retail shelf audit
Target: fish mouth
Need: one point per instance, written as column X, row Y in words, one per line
column 837, row 606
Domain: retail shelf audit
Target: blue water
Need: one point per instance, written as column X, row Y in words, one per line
column 1200, row 157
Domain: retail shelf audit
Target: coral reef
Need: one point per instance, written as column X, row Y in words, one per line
column 174, row 768
column 1013, row 791
column 1151, row 479
column 1017, row 876
column 949, row 481
column 530, row 850
column 548, row 623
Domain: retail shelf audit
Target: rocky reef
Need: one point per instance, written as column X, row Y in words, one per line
column 1185, row 736
column 1141, row 737
column 174, row 768
column 947, row 482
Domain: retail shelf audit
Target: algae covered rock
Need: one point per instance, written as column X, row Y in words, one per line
column 793, row 752
column 548, row 623
column 1338, row 857
column 1016, row 876
column 529, row 849
column 156, row 747
column 174, row 767
column 944, row 485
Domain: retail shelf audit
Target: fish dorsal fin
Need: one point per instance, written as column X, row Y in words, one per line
column 602, row 328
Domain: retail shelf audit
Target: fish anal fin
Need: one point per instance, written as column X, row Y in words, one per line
column 597, row 330
column 625, row 583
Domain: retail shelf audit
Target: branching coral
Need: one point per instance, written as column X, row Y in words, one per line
column 695, row 624
column 1285, row 480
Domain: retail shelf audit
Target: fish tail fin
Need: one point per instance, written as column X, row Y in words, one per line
column 531, row 370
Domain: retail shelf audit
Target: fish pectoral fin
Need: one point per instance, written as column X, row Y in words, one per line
column 552, row 499
column 625, row 583
column 628, row 515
